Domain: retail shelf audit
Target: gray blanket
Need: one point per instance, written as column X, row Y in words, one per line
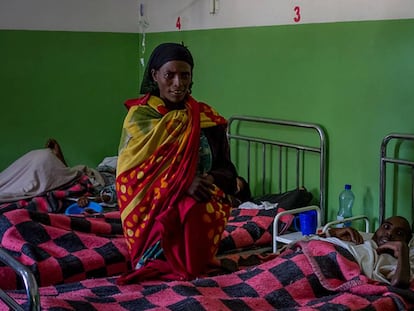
column 34, row 174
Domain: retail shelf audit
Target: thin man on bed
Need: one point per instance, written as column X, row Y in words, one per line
column 385, row 257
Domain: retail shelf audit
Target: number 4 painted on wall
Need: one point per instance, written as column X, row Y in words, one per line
column 178, row 23
column 297, row 17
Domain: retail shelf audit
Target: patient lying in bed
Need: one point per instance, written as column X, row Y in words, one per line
column 385, row 257
column 33, row 174
column 40, row 171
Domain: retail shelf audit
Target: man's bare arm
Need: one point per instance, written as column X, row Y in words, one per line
column 399, row 250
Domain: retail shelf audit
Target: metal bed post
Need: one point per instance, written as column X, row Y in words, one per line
column 321, row 149
column 264, row 166
column 29, row 281
column 280, row 169
column 383, row 153
column 384, row 159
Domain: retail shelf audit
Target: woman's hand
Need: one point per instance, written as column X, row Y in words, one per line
column 347, row 234
column 200, row 188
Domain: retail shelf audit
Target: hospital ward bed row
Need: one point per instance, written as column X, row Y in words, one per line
column 61, row 262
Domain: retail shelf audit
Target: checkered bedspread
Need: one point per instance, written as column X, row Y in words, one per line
column 249, row 228
column 59, row 248
column 253, row 227
column 313, row 275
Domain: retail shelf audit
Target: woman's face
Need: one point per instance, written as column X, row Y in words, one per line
column 174, row 80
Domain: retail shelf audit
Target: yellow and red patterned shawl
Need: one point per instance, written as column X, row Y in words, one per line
column 157, row 162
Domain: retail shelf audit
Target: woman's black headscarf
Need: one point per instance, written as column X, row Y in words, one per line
column 162, row 54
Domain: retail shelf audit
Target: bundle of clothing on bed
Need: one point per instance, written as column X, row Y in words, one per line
column 313, row 275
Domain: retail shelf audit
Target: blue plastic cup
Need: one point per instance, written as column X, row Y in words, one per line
column 307, row 222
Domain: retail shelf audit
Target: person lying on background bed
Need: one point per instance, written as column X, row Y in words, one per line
column 42, row 170
column 102, row 178
column 385, row 257
column 35, row 173
column 174, row 173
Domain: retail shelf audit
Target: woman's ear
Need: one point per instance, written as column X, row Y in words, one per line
column 154, row 74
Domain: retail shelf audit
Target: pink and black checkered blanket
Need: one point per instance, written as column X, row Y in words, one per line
column 249, row 228
column 59, row 248
column 314, row 275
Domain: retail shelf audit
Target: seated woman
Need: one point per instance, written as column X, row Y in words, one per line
column 174, row 173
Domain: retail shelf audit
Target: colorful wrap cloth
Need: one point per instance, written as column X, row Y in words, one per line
column 157, row 163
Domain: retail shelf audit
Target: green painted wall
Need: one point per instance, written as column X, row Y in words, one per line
column 67, row 85
column 354, row 79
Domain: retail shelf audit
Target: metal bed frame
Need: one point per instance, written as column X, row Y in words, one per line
column 29, row 281
column 395, row 159
column 255, row 143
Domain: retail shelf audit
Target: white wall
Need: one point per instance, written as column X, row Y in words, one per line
column 195, row 14
column 161, row 15
column 71, row 15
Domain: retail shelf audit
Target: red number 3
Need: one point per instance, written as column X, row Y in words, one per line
column 297, row 14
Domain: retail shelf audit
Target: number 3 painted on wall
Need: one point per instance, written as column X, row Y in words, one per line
column 297, row 14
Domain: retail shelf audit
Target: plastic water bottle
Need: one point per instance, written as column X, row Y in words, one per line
column 346, row 201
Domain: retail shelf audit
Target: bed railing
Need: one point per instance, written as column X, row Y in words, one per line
column 282, row 147
column 29, row 281
column 385, row 159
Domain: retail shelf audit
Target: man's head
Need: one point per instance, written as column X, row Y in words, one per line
column 395, row 228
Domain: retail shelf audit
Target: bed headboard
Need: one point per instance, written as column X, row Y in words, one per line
column 392, row 153
column 278, row 155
